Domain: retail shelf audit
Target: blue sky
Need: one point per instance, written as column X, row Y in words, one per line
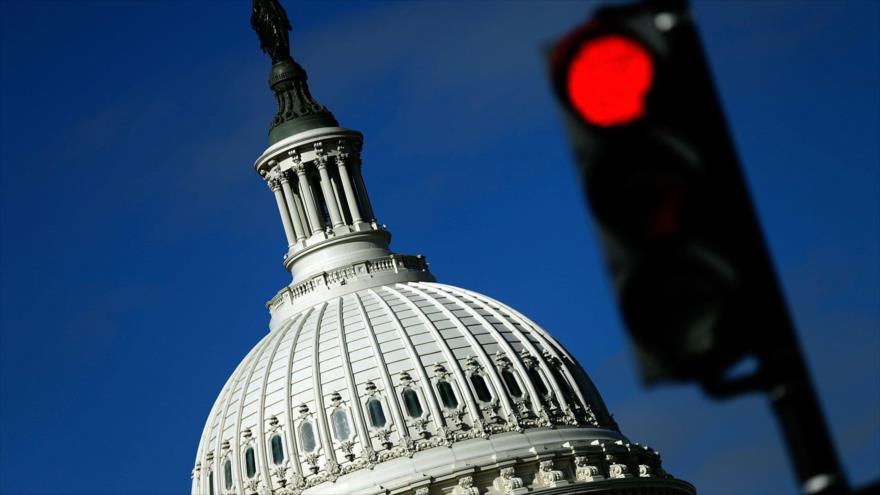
column 137, row 245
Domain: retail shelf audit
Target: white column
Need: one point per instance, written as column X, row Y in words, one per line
column 291, row 207
column 300, row 209
column 362, row 189
column 338, row 195
column 327, row 189
column 306, row 193
column 275, row 186
column 346, row 186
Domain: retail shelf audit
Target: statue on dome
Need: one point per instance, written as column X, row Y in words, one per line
column 270, row 22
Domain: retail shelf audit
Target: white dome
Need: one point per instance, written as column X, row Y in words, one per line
column 413, row 387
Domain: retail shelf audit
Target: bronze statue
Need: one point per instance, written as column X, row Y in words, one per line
column 270, row 22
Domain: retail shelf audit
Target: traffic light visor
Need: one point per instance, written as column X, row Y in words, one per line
column 608, row 79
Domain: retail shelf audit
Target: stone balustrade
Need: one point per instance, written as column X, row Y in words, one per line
column 346, row 274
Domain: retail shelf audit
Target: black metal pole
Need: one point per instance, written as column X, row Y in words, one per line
column 796, row 406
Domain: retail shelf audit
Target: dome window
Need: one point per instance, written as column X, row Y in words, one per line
column 227, row 474
column 307, row 437
column 447, row 395
column 376, row 413
column 250, row 464
column 277, row 450
column 538, row 382
column 511, row 384
column 339, row 422
column 211, row 482
column 412, row 403
column 480, row 388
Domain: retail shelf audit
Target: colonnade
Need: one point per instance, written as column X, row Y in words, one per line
column 321, row 195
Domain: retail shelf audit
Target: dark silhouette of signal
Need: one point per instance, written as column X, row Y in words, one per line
column 693, row 279
column 692, row 275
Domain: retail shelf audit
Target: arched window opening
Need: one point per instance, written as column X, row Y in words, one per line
column 211, row 483
column 307, row 437
column 412, row 403
column 376, row 413
column 511, row 384
column 250, row 463
column 339, row 422
column 227, row 474
column 277, row 450
column 481, row 389
column 538, row 382
column 447, row 394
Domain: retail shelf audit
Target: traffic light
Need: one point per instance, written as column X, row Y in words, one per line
column 692, row 275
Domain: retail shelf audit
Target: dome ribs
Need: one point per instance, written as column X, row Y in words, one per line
column 354, row 398
column 451, row 360
column 545, row 340
column 326, row 445
column 236, row 438
column 433, row 406
column 476, row 346
column 261, row 417
column 291, row 446
column 388, row 391
column 509, row 352
column 228, row 399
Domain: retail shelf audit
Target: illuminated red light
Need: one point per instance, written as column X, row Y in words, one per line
column 608, row 80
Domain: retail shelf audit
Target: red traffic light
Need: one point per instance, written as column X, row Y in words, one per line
column 608, row 79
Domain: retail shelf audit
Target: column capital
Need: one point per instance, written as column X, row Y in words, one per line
column 297, row 159
column 298, row 166
column 282, row 176
column 320, row 157
column 274, row 183
column 341, row 155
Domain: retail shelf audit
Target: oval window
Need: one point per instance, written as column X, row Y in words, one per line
column 447, row 395
column 511, row 384
column 376, row 412
column 211, row 483
column 481, row 388
column 307, row 437
column 227, row 474
column 538, row 382
column 412, row 403
column 277, row 450
column 250, row 464
column 339, row 421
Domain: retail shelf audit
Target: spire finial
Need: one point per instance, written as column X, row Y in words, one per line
column 297, row 109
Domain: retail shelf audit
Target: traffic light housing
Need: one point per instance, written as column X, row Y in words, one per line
column 689, row 266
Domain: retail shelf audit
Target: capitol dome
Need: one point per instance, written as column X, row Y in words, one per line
column 409, row 386
column 376, row 379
